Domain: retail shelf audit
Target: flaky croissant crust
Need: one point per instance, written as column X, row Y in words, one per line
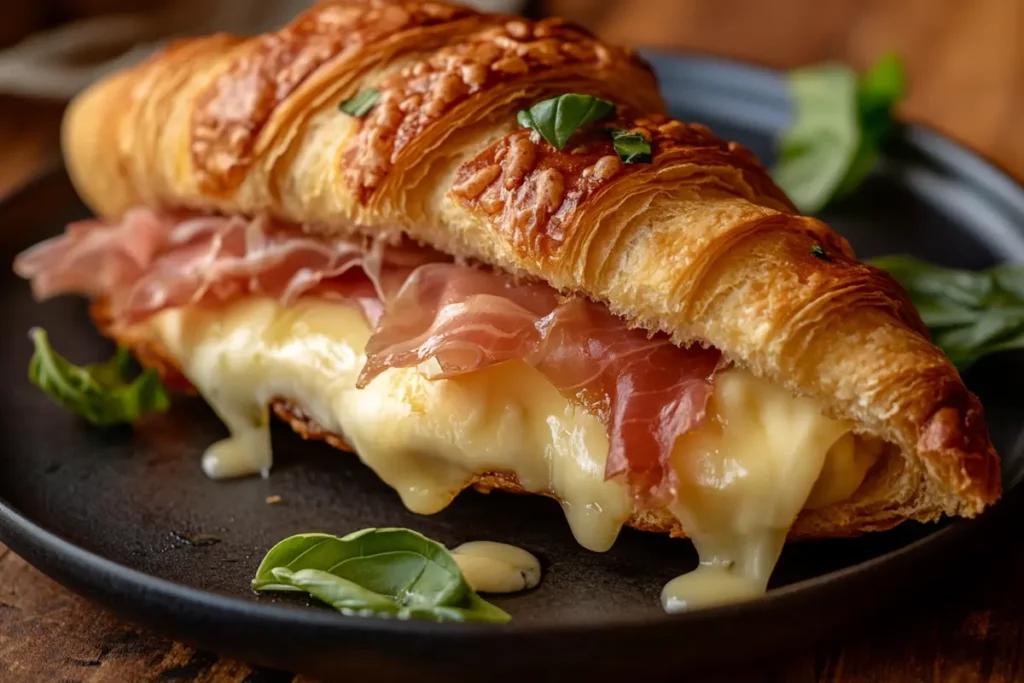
column 700, row 243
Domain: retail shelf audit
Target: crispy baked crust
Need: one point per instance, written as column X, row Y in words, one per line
column 700, row 243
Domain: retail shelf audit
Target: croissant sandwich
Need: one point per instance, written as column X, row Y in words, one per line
column 475, row 251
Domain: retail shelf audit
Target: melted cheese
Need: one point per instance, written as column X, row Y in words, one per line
column 744, row 475
column 491, row 567
column 425, row 438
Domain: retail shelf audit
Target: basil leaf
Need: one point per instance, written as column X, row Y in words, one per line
column 632, row 148
column 1009, row 278
column 877, row 93
column 839, row 126
column 558, row 118
column 964, row 287
column 100, row 393
column 815, row 152
column 376, row 572
column 971, row 314
column 361, row 103
column 343, row 595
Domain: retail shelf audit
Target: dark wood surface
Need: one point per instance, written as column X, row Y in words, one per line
column 966, row 61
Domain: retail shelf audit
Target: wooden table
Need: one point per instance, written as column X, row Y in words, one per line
column 966, row 60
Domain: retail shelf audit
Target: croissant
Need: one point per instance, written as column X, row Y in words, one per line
column 698, row 246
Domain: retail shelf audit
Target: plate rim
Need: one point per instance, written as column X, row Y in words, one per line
column 18, row 531
column 28, row 539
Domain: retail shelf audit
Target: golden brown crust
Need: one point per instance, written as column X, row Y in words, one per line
column 536, row 194
column 233, row 110
column 956, row 441
column 699, row 243
column 425, row 92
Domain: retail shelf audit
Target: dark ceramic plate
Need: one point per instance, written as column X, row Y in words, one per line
column 103, row 511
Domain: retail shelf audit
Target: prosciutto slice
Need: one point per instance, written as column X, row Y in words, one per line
column 645, row 389
column 465, row 318
column 149, row 261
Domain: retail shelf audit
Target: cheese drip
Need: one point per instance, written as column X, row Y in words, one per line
column 744, row 475
column 424, row 438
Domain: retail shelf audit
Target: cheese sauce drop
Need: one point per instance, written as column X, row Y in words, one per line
column 491, row 567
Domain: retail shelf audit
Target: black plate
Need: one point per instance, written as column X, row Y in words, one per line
column 100, row 510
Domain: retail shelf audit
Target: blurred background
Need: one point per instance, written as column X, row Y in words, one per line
column 965, row 57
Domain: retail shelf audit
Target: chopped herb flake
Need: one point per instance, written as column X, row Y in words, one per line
column 820, row 253
column 360, row 104
column 632, row 148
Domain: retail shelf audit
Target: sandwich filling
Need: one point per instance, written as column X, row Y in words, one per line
column 435, row 373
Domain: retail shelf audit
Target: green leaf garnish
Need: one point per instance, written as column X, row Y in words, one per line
column 878, row 92
column 394, row 573
column 840, row 125
column 632, row 148
column 558, row 118
column 971, row 314
column 361, row 103
column 101, row 392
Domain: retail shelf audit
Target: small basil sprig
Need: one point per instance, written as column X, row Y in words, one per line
column 394, row 573
column 558, row 118
column 101, row 392
column 970, row 314
column 840, row 124
column 361, row 103
column 632, row 148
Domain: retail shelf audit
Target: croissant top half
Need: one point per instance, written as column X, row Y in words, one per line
column 700, row 243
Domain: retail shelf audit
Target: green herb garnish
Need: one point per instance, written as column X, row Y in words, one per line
column 361, row 103
column 394, row 573
column 101, row 393
column 632, row 148
column 816, row 250
column 841, row 123
column 558, row 118
column 970, row 314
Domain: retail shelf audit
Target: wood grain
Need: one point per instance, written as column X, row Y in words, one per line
column 966, row 63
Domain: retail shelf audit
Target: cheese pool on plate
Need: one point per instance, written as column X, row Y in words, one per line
column 744, row 475
column 491, row 567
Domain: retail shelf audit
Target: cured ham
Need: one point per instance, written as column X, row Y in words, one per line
column 149, row 261
column 645, row 389
column 464, row 318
